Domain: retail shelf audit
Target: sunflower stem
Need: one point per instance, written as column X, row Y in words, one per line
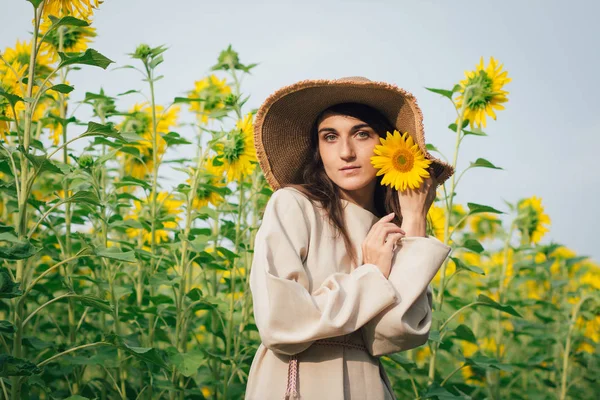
column 439, row 299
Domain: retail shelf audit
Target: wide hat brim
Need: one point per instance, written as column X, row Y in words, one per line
column 284, row 120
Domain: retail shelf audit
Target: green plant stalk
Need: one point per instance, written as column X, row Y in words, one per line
column 439, row 299
column 229, row 336
column 200, row 154
column 495, row 375
column 215, row 288
column 22, row 200
column 153, row 192
column 565, row 367
column 180, row 331
column 62, row 107
column 115, row 304
column 246, row 298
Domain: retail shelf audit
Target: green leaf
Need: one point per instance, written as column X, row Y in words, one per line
column 85, row 196
column 475, row 208
column 147, row 354
column 90, row 57
column 11, row 366
column 131, row 181
column 461, row 265
column 8, row 288
column 6, row 327
column 463, row 332
column 115, row 253
column 95, row 129
column 186, row 100
column 187, row 363
column 35, row 3
column 431, row 147
column 13, row 99
column 20, row 250
column 488, row 363
column 94, row 302
column 476, row 133
column 42, row 163
column 62, row 88
column 443, row 92
column 403, row 361
column 473, row 245
column 482, row 162
column 173, row 138
column 67, row 21
column 493, row 304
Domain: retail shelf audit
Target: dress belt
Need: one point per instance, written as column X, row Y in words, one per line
column 291, row 391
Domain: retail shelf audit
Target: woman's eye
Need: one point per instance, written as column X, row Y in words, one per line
column 366, row 133
column 327, row 136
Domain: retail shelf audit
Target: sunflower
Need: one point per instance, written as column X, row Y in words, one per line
column 212, row 177
column 237, row 153
column 83, row 9
column 212, row 91
column 436, row 221
column 19, row 57
column 75, row 39
column 533, row 220
column 168, row 210
column 400, row 161
column 493, row 267
column 140, row 121
column 486, row 92
column 484, row 225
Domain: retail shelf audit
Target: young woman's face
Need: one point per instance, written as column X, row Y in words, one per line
column 346, row 141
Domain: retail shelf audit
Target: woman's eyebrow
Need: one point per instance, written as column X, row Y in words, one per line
column 355, row 127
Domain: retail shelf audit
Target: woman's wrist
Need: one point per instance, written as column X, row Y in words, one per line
column 414, row 225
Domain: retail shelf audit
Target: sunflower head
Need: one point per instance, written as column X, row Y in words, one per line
column 532, row 222
column 485, row 92
column 400, row 161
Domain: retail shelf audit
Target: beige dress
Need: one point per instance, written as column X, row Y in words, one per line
column 304, row 289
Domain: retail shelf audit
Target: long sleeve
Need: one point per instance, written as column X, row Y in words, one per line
column 289, row 318
column 406, row 324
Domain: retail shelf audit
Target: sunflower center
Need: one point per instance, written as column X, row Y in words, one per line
column 403, row 160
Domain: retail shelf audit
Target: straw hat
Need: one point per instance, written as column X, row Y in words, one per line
column 284, row 120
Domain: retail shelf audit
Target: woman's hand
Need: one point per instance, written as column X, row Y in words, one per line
column 378, row 246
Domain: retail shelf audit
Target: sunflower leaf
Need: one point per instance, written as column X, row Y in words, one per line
column 89, row 57
column 443, row 92
column 475, row 208
column 482, row 162
column 473, row 245
column 62, row 88
column 476, row 133
column 67, row 21
column 461, row 265
column 35, row 3
column 488, row 302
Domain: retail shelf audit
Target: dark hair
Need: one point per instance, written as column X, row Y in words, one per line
column 317, row 186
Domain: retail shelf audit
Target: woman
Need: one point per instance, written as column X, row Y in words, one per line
column 342, row 265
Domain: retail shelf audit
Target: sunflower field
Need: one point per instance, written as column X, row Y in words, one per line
column 113, row 286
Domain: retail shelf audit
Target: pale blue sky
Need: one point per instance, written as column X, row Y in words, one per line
column 545, row 140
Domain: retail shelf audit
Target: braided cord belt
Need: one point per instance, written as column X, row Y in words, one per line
column 291, row 391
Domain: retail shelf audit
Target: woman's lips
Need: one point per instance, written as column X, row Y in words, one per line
column 349, row 171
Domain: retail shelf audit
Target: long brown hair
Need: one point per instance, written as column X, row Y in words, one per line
column 318, row 187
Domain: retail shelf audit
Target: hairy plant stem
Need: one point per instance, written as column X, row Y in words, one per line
column 22, row 196
column 439, row 299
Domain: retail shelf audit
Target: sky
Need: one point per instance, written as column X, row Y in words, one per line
column 545, row 140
